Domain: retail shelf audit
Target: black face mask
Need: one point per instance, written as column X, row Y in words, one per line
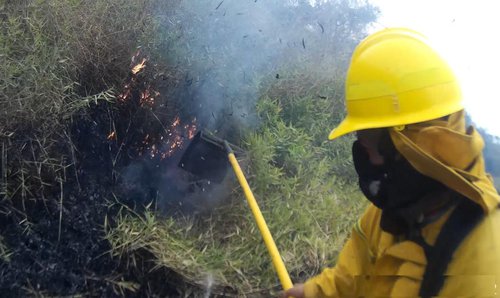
column 395, row 187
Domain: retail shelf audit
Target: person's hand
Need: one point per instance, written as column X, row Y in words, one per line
column 297, row 292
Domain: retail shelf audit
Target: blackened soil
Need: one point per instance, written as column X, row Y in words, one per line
column 59, row 249
column 56, row 251
column 76, row 260
column 48, row 260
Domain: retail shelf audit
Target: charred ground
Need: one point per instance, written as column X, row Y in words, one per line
column 99, row 98
column 55, row 239
column 63, row 66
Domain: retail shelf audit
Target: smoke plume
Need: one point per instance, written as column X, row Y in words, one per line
column 228, row 52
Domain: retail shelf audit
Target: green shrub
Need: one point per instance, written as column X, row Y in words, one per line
column 308, row 204
column 59, row 56
column 56, row 58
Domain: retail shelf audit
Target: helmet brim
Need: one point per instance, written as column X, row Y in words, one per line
column 350, row 124
column 345, row 127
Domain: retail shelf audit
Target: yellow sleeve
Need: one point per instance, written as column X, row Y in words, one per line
column 346, row 279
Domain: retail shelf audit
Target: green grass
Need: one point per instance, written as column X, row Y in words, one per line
column 227, row 246
column 56, row 59
column 307, row 200
column 60, row 57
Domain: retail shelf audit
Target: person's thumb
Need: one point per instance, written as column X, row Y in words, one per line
column 297, row 292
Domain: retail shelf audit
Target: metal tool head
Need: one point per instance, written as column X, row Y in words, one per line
column 206, row 157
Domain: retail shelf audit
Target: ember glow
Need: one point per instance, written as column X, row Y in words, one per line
column 137, row 68
column 126, row 94
column 157, row 143
column 148, row 94
column 172, row 139
column 148, row 97
column 112, row 136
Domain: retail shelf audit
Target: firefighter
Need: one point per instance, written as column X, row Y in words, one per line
column 432, row 227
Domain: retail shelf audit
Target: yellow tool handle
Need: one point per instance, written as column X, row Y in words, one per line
column 279, row 266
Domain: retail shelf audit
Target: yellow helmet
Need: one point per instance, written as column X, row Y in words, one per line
column 395, row 78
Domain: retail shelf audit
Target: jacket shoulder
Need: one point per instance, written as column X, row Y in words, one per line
column 475, row 267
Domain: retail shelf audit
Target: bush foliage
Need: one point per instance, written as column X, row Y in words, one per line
column 302, row 184
column 65, row 62
column 56, row 58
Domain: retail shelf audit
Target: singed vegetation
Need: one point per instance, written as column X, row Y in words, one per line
column 295, row 174
column 63, row 64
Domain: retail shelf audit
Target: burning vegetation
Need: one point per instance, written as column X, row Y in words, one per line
column 164, row 137
column 93, row 201
column 61, row 62
column 169, row 141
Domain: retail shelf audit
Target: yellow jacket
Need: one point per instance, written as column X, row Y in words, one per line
column 374, row 263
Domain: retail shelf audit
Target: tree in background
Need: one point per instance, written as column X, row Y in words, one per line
column 228, row 49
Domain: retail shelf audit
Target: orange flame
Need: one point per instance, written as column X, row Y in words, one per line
column 148, row 98
column 191, row 130
column 175, row 138
column 176, row 122
column 136, row 69
column 170, row 141
column 125, row 95
column 112, row 136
